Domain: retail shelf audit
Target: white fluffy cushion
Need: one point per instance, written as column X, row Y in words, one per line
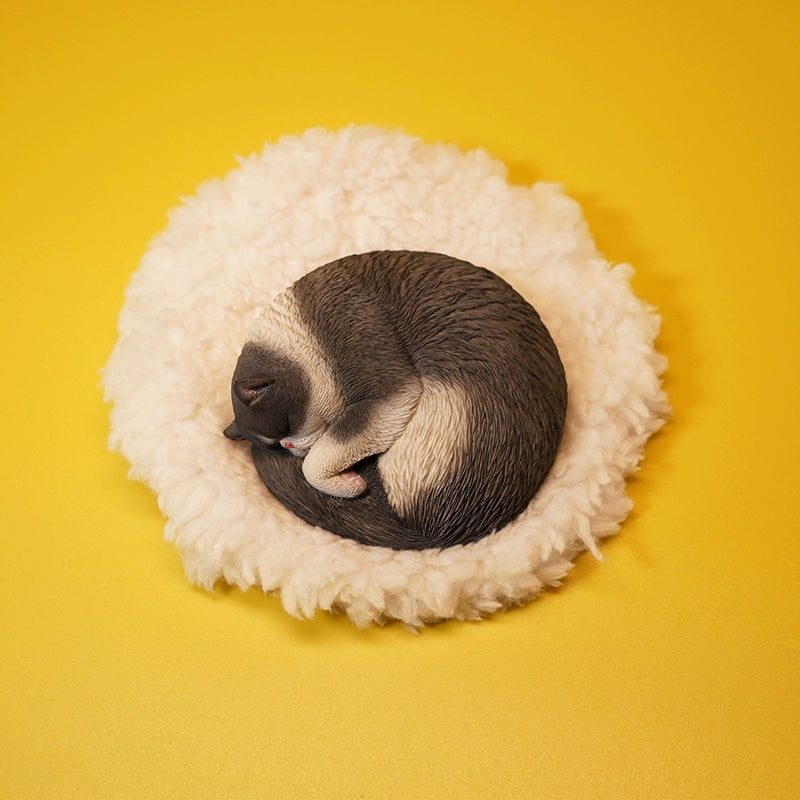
column 306, row 201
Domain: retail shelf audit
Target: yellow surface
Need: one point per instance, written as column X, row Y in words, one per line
column 670, row 670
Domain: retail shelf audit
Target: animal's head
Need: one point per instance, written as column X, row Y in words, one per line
column 269, row 393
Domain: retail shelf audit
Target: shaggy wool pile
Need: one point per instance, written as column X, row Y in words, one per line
column 305, row 201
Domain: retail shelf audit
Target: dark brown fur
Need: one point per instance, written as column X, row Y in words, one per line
column 384, row 319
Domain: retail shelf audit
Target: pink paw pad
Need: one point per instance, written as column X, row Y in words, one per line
column 353, row 477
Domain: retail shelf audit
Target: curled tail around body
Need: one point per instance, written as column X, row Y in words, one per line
column 368, row 519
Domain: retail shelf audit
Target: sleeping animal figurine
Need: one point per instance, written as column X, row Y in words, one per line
column 402, row 399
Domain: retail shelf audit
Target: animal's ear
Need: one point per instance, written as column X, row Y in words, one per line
column 233, row 432
column 249, row 389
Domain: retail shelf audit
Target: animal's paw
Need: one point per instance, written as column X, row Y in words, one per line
column 355, row 480
column 347, row 483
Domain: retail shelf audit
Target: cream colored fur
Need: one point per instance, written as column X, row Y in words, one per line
column 280, row 327
column 303, row 202
column 433, row 441
column 330, row 456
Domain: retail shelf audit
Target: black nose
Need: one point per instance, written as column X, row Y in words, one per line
column 233, row 432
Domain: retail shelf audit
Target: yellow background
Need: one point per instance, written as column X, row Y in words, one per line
column 669, row 670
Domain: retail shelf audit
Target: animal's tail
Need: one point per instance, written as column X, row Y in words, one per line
column 368, row 519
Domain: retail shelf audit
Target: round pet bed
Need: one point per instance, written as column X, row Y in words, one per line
column 306, row 201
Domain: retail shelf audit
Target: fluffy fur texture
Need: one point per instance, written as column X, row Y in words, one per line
column 434, row 366
column 306, row 201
